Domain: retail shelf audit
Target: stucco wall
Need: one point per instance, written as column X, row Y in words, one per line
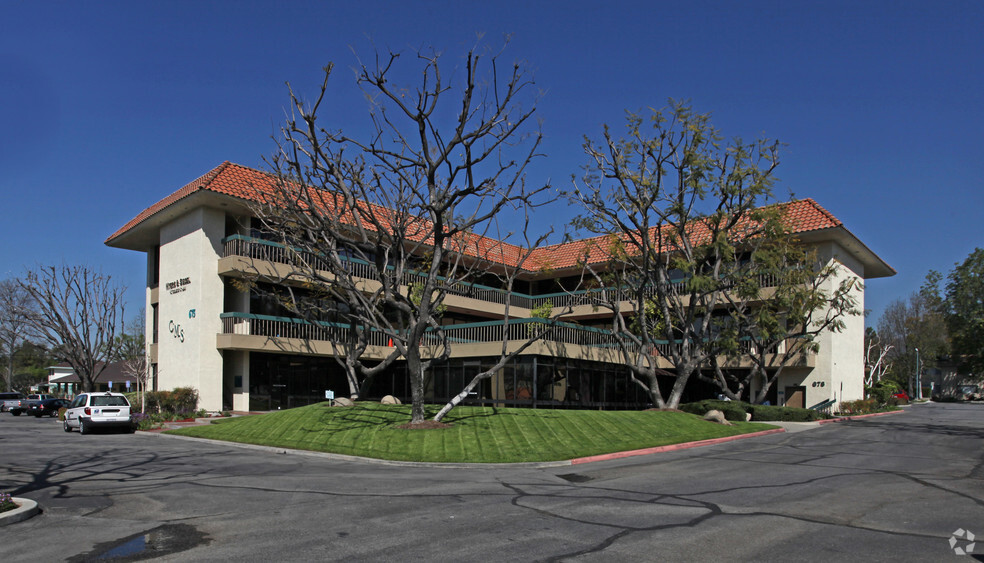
column 191, row 299
column 841, row 356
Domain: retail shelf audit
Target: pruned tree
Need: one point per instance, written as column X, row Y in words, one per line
column 513, row 342
column 76, row 311
column 782, row 298
column 15, row 306
column 672, row 202
column 381, row 228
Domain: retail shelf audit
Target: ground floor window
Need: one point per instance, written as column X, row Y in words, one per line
column 280, row 381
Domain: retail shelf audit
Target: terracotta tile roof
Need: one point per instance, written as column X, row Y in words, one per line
column 228, row 179
column 248, row 185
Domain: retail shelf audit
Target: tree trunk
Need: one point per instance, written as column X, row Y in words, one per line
column 415, row 369
column 673, row 401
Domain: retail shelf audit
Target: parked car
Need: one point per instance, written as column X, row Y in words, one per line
column 98, row 410
column 10, row 400
column 40, row 397
column 49, row 407
column 902, row 396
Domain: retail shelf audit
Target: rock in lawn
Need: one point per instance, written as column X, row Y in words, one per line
column 343, row 402
column 716, row 416
column 390, row 400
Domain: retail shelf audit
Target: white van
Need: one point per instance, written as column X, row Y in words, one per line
column 98, row 410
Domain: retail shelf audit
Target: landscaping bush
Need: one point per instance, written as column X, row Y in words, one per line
column 882, row 391
column 182, row 399
column 785, row 414
column 861, row 406
column 185, row 399
column 7, row 502
column 733, row 410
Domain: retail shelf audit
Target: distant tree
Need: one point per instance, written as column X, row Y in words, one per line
column 15, row 305
column 382, row 228
column 672, row 203
column 909, row 325
column 76, row 311
column 963, row 308
column 31, row 365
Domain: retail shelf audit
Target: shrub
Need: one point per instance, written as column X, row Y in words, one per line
column 185, row 399
column 6, row 502
column 861, row 406
column 732, row 410
column 785, row 414
column 182, row 399
column 882, row 391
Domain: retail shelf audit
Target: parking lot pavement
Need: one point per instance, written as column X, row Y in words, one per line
column 890, row 488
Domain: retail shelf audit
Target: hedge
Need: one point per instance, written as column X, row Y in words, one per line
column 736, row 410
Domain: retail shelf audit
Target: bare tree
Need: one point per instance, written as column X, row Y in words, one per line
column 672, row 202
column 513, row 342
column 382, row 228
column 76, row 312
column 15, row 305
column 876, row 357
column 131, row 350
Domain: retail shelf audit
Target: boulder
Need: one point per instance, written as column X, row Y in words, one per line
column 717, row 416
column 390, row 400
column 344, row 402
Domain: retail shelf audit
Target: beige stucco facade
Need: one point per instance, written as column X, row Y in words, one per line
column 202, row 333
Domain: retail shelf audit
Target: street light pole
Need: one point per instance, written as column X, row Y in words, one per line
column 918, row 377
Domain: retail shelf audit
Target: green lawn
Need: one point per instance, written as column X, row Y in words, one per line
column 478, row 434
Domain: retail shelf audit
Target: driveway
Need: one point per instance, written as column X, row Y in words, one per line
column 883, row 489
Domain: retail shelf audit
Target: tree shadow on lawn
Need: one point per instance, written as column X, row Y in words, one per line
column 340, row 419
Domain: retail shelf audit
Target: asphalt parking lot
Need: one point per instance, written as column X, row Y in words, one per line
column 884, row 489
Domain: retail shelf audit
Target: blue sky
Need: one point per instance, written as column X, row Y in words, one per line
column 106, row 107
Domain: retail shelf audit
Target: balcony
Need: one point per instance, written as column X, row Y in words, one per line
column 463, row 295
column 244, row 331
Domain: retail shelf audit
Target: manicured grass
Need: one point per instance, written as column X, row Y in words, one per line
column 478, row 434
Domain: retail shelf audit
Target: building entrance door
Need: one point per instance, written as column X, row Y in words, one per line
column 278, row 391
column 796, row 397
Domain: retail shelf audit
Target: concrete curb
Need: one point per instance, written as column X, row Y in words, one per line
column 371, row 460
column 526, row 465
column 857, row 417
column 674, row 447
column 27, row 509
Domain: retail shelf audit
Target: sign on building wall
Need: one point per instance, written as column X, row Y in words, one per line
column 177, row 286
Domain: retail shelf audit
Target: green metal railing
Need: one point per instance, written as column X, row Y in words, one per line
column 259, row 249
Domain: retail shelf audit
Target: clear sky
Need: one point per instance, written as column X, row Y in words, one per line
column 106, row 107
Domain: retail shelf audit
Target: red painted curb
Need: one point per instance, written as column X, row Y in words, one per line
column 856, row 417
column 673, row 447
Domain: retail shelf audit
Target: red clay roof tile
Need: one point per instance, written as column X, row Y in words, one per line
column 244, row 183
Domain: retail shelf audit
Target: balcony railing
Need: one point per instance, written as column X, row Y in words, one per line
column 470, row 333
column 517, row 330
column 259, row 249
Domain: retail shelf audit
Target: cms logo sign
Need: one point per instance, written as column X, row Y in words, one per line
column 176, row 331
